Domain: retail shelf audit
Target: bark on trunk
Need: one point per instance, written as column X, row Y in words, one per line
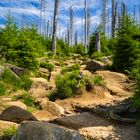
column 54, row 35
column 98, row 44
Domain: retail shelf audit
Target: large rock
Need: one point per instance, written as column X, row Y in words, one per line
column 16, row 103
column 94, row 65
column 40, row 88
column 16, row 114
column 52, row 107
column 45, row 131
column 44, row 115
column 17, row 70
column 44, row 72
column 117, row 83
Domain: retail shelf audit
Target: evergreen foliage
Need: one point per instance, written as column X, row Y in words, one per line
column 47, row 65
column 21, row 46
column 66, row 86
column 104, row 44
column 127, row 45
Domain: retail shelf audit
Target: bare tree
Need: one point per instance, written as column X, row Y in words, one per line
column 76, row 38
column 134, row 13
column 55, row 20
column 139, row 14
column 88, row 25
column 68, row 36
column 123, row 9
column 85, row 28
column 42, row 16
column 114, row 15
column 82, row 30
column 48, row 26
column 98, row 43
column 71, row 26
column 23, row 20
column 51, row 28
column 104, row 15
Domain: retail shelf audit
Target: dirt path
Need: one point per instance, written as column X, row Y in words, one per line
column 93, row 126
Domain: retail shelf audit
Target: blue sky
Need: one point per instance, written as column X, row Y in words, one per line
column 31, row 11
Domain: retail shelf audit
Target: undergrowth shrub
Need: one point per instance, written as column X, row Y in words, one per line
column 67, row 85
column 10, row 78
column 26, row 98
column 15, row 82
column 2, row 89
column 47, row 65
column 9, row 132
column 90, row 82
column 71, row 68
column 98, row 80
column 26, row 82
column 97, row 56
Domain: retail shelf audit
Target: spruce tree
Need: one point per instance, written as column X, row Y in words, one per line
column 127, row 45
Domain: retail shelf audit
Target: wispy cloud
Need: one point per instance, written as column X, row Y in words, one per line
column 31, row 11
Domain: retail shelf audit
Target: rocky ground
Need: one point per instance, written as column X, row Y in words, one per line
column 61, row 120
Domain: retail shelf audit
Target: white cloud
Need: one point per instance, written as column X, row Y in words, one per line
column 32, row 12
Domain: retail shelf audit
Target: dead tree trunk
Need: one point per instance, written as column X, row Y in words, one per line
column 42, row 16
column 98, row 42
column 114, row 15
column 85, row 31
column 71, row 26
column 134, row 13
column 48, row 26
column 104, row 15
column 76, row 38
column 54, row 35
column 139, row 14
column 88, row 26
column 68, row 36
column 123, row 10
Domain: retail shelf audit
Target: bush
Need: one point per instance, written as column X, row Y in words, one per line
column 21, row 46
column 78, row 49
column 9, row 77
column 2, row 89
column 47, row 65
column 72, row 68
column 97, row 56
column 63, row 48
column 26, row 98
column 90, row 82
column 98, row 80
column 136, row 76
column 104, row 43
column 127, row 46
column 66, row 86
column 26, row 82
column 10, row 131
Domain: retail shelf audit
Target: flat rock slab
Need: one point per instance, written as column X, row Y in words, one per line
column 82, row 120
column 117, row 83
column 94, row 127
